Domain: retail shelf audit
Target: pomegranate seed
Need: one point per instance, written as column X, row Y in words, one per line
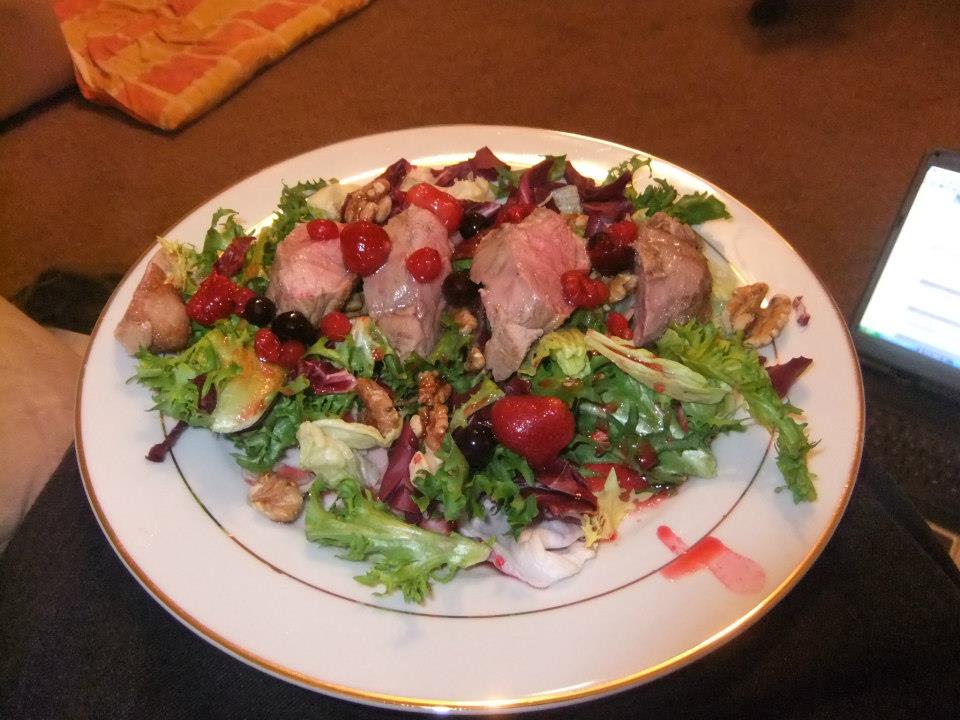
column 267, row 345
column 424, row 264
column 335, row 326
column 321, row 230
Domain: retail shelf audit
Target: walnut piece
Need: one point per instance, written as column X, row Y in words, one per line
column 370, row 203
column 770, row 321
column 475, row 359
column 744, row 305
column 379, row 405
column 465, row 320
column 276, row 497
column 577, row 222
column 620, row 286
column 432, row 396
column 760, row 325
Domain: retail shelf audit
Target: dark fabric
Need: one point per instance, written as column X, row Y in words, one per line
column 872, row 630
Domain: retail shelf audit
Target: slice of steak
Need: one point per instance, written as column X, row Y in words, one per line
column 520, row 266
column 673, row 279
column 309, row 275
column 407, row 311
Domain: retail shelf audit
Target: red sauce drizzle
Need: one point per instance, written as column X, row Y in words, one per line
column 736, row 572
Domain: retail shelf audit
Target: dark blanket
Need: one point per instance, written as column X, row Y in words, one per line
column 873, row 630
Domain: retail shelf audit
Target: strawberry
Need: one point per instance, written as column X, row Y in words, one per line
column 536, row 427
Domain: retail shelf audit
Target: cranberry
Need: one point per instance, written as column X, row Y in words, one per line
column 581, row 290
column 445, row 206
column 514, row 212
column 424, row 264
column 321, row 230
column 290, row 353
column 617, row 326
column 609, row 254
column 215, row 299
column 230, row 262
column 365, row 247
column 335, row 326
column 624, row 232
column 267, row 345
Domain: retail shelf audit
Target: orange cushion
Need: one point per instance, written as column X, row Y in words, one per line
column 166, row 62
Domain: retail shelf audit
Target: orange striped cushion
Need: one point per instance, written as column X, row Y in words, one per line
column 166, row 62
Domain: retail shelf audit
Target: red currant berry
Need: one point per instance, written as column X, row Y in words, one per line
column 335, row 326
column 323, row 230
column 424, row 264
column 617, row 326
column 365, row 247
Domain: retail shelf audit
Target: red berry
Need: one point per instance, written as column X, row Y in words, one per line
column 290, row 353
column 646, row 455
column 610, row 253
column 580, row 290
column 241, row 297
column 618, row 326
column 230, row 262
column 267, row 345
column 335, row 326
column 365, row 247
column 537, row 427
column 514, row 212
column 215, row 299
column 445, row 206
column 624, row 232
column 323, row 230
column 424, row 264
column 596, row 293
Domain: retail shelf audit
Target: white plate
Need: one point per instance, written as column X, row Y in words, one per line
column 484, row 642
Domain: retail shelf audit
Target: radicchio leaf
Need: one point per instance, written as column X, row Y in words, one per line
column 326, row 378
column 783, row 376
column 484, row 163
column 562, row 476
column 396, row 487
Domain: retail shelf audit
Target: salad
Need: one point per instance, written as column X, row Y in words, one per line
column 471, row 364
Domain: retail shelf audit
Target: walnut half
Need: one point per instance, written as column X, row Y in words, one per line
column 760, row 325
column 370, row 203
column 276, row 497
column 380, row 406
column 433, row 395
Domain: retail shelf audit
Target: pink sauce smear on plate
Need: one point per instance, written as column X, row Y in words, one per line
column 736, row 572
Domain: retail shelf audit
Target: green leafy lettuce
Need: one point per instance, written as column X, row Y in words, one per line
column 729, row 360
column 405, row 557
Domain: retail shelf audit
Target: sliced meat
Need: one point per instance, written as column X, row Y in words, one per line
column 157, row 316
column 309, row 275
column 520, row 266
column 673, row 280
column 408, row 311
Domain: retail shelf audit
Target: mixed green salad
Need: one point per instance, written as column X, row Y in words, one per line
column 422, row 462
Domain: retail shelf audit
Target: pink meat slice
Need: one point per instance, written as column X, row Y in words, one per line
column 309, row 275
column 673, row 279
column 519, row 266
column 408, row 311
column 156, row 318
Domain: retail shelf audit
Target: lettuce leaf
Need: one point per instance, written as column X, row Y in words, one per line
column 446, row 485
column 728, row 360
column 567, row 347
column 405, row 557
column 603, row 524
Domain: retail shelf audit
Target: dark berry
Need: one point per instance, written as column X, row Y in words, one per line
column 476, row 441
column 259, row 311
column 459, row 290
column 294, row 325
column 472, row 223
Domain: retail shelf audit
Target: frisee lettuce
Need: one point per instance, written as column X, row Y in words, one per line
column 729, row 360
column 405, row 557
